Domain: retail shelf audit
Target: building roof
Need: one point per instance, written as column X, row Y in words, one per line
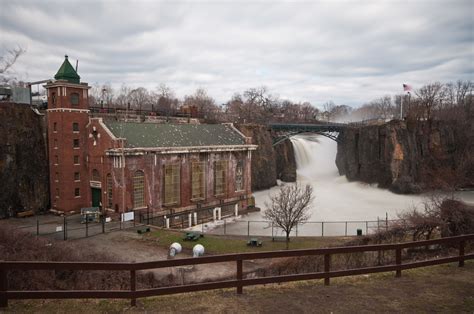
column 175, row 135
column 67, row 72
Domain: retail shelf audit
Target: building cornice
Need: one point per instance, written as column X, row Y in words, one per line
column 179, row 150
column 62, row 83
column 68, row 110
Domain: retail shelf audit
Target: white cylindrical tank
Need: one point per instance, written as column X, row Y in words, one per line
column 175, row 248
column 198, row 250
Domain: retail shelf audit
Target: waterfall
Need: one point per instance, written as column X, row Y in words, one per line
column 334, row 197
column 315, row 157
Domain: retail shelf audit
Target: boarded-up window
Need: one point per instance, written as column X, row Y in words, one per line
column 198, row 182
column 95, row 175
column 109, row 191
column 172, row 184
column 138, row 189
column 75, row 99
column 220, row 174
column 239, row 175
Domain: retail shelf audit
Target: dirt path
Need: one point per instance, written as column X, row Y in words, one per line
column 128, row 246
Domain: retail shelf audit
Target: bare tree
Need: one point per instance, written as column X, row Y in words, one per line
column 122, row 99
column 164, row 100
column 289, row 207
column 139, row 97
column 204, row 103
column 430, row 97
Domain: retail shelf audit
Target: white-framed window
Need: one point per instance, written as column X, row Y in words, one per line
column 138, row 189
column 172, row 181
column 220, row 175
column 198, row 180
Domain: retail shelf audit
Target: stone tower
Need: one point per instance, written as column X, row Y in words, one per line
column 67, row 116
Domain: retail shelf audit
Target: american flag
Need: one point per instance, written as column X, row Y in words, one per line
column 407, row 88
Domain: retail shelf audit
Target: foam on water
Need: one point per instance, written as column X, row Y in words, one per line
column 335, row 197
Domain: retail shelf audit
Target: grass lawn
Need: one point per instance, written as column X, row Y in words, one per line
column 217, row 244
column 445, row 288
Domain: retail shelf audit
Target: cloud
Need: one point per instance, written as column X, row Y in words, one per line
column 347, row 51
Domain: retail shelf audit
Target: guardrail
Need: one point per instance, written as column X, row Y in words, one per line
column 238, row 283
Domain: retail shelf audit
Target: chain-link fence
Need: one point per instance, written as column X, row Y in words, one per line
column 75, row 226
column 308, row 229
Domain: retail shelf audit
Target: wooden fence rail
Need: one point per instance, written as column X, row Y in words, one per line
column 239, row 282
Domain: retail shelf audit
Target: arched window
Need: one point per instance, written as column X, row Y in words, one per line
column 75, row 99
column 109, row 190
column 138, row 189
column 95, row 175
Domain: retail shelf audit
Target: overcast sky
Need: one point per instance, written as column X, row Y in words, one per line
column 346, row 51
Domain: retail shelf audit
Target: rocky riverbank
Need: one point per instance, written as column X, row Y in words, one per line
column 409, row 157
column 269, row 163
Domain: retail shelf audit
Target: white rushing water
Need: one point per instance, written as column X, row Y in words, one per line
column 335, row 199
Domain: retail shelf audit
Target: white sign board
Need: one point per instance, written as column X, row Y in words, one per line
column 59, row 228
column 127, row 216
column 108, row 219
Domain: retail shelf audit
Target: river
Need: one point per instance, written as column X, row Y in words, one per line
column 335, row 198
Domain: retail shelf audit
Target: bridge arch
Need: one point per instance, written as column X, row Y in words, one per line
column 332, row 135
column 285, row 131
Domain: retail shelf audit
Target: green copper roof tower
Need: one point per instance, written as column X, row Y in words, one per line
column 67, row 72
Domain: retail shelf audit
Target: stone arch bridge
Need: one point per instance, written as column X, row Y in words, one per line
column 283, row 131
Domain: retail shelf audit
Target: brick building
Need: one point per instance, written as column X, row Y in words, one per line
column 124, row 166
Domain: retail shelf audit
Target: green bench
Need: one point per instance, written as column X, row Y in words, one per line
column 191, row 236
column 254, row 242
column 143, row 230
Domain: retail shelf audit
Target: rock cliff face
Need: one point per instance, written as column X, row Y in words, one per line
column 285, row 161
column 263, row 159
column 23, row 160
column 409, row 158
column 269, row 163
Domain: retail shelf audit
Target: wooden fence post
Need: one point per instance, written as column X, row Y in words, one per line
column 398, row 261
column 461, row 253
column 87, row 225
column 133, row 287
column 64, row 229
column 3, row 288
column 327, row 266
column 239, row 276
